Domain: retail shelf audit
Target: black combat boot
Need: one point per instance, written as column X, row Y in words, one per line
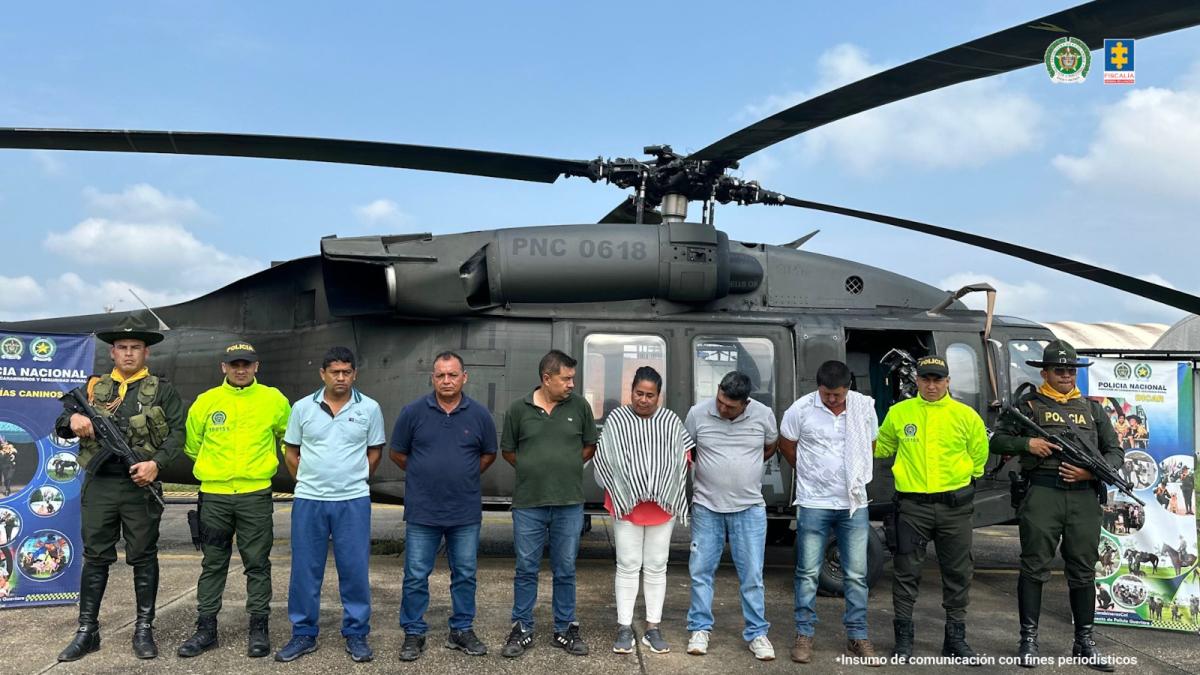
column 145, row 591
column 259, row 643
column 1029, row 608
column 904, row 638
column 955, row 643
column 204, row 639
column 92, row 581
column 1083, row 612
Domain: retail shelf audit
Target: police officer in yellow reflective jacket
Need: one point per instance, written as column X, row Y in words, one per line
column 941, row 447
column 233, row 435
column 1061, row 501
column 114, row 503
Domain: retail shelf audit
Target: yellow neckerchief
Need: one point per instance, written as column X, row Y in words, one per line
column 1052, row 393
column 124, row 382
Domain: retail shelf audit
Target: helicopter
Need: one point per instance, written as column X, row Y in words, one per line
column 645, row 285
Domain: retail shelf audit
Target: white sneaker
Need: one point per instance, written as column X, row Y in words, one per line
column 698, row 643
column 761, row 646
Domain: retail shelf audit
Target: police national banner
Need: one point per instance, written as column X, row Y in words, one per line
column 1147, row 574
column 39, row 475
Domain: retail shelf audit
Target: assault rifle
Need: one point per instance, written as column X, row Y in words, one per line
column 108, row 435
column 1072, row 452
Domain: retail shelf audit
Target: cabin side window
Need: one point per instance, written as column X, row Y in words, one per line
column 964, row 373
column 713, row 357
column 1020, row 351
column 609, row 362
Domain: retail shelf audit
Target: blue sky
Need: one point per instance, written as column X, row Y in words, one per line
column 1102, row 173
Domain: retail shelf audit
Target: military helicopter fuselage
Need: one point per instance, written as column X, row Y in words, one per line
column 679, row 296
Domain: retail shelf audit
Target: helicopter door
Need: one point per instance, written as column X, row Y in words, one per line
column 866, row 349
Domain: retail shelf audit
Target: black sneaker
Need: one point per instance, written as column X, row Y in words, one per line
column 518, row 641
column 571, row 641
column 467, row 641
column 413, row 647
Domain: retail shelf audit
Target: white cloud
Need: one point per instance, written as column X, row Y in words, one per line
column 48, row 161
column 1155, row 279
column 1147, row 142
column 964, row 125
column 19, row 293
column 141, row 243
column 73, row 295
column 142, row 203
column 163, row 254
column 90, row 297
column 382, row 213
column 1145, row 310
column 1027, row 299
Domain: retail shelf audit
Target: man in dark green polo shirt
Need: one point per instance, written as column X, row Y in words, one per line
column 547, row 436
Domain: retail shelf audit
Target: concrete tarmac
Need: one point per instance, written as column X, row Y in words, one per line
column 31, row 638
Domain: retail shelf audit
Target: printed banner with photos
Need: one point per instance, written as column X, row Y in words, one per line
column 40, row 476
column 1147, row 573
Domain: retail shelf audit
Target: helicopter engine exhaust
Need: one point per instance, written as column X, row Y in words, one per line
column 421, row 276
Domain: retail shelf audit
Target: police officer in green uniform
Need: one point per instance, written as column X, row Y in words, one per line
column 1062, row 502
column 941, row 447
column 114, row 503
column 233, row 435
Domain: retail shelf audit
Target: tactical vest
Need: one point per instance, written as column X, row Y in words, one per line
column 1052, row 416
column 145, row 432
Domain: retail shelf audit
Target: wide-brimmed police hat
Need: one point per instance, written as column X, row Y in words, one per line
column 1059, row 354
column 130, row 329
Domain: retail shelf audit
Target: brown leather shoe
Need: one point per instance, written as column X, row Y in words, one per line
column 802, row 650
column 863, row 649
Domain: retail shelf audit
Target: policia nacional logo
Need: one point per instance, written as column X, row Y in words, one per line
column 11, row 347
column 43, row 349
column 1068, row 60
column 910, row 430
column 1122, row 371
column 218, row 418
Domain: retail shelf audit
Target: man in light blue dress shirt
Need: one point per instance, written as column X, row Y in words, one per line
column 333, row 443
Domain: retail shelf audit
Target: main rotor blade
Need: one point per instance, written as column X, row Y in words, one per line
column 1001, row 52
column 1124, row 282
column 397, row 155
column 626, row 212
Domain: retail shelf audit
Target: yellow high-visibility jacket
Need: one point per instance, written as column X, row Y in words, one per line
column 939, row 446
column 233, row 436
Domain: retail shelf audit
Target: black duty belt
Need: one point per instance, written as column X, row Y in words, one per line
column 112, row 468
column 1053, row 481
column 962, row 495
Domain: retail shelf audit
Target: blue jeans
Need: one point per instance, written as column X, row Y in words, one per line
column 812, row 532
column 420, row 552
column 747, row 531
column 531, row 528
column 349, row 524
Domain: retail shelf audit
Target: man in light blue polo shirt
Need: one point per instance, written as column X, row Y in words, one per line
column 333, row 443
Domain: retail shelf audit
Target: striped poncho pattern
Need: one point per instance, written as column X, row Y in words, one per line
column 643, row 460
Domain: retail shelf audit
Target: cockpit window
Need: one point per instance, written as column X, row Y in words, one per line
column 609, row 362
column 1020, row 351
column 713, row 357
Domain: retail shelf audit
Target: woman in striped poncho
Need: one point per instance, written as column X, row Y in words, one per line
column 641, row 462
